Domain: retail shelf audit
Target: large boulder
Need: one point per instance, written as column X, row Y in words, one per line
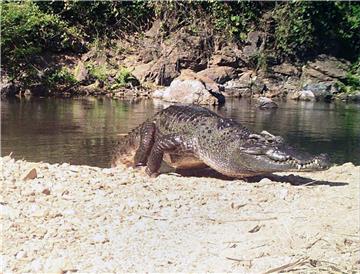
column 227, row 56
column 190, row 88
column 302, row 95
column 80, row 72
column 266, row 103
column 286, row 69
column 324, row 69
column 255, row 43
column 322, row 90
column 219, row 74
column 241, row 86
column 142, row 72
column 180, row 50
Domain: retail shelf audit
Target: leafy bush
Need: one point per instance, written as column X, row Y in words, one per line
column 351, row 82
column 99, row 72
column 307, row 28
column 100, row 17
column 60, row 76
column 27, row 32
column 123, row 78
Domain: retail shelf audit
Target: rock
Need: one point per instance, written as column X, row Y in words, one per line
column 190, row 88
column 324, row 69
column 92, row 88
column 218, row 74
column 181, row 50
column 143, row 71
column 255, row 43
column 7, row 88
column 227, row 56
column 80, row 72
column 241, row 86
column 29, row 174
column 266, row 103
column 258, row 86
column 286, row 69
column 321, row 91
column 46, row 191
column 306, row 95
column 342, row 96
column 354, row 96
column 164, row 71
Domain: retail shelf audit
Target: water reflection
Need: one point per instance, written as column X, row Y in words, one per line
column 82, row 131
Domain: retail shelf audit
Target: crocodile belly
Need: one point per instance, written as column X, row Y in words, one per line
column 185, row 161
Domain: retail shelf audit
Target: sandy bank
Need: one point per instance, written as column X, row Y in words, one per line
column 87, row 219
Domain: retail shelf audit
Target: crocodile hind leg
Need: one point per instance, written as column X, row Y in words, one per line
column 167, row 143
column 147, row 136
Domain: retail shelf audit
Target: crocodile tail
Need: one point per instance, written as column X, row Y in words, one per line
column 125, row 148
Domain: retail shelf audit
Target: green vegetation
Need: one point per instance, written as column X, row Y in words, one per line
column 27, row 32
column 99, row 72
column 60, row 76
column 295, row 30
column 123, row 78
column 352, row 81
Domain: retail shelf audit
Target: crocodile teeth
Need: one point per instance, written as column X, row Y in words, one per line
column 299, row 167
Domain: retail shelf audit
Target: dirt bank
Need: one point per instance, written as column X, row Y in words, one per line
column 87, row 219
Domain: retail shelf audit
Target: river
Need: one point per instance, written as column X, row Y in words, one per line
column 83, row 130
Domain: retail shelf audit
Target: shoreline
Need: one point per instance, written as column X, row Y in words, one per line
column 79, row 218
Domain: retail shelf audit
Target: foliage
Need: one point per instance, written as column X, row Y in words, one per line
column 124, row 76
column 60, row 76
column 351, row 82
column 27, row 32
column 99, row 72
column 100, row 17
column 307, row 28
column 294, row 30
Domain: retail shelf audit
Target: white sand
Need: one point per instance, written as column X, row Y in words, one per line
column 86, row 219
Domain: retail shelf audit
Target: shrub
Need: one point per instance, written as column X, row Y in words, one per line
column 99, row 72
column 60, row 76
column 27, row 32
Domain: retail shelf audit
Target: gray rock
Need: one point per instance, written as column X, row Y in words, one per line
column 191, row 88
column 354, row 96
column 266, row 103
column 321, row 91
column 241, row 86
column 306, row 95
column 255, row 43
column 325, row 68
column 81, row 73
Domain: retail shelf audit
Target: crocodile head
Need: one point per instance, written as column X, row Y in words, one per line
column 265, row 153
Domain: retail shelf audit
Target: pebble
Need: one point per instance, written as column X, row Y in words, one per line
column 29, row 174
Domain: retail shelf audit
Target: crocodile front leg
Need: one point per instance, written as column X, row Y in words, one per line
column 167, row 143
column 147, row 136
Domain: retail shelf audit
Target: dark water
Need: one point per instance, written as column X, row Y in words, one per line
column 82, row 131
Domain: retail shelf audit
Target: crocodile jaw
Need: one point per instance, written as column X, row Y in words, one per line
column 274, row 160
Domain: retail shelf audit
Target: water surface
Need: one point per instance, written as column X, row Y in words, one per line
column 83, row 131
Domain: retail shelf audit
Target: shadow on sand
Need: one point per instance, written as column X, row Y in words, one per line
column 294, row 180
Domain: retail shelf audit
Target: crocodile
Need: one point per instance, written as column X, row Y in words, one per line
column 189, row 136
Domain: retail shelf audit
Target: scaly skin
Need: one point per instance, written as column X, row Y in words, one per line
column 192, row 136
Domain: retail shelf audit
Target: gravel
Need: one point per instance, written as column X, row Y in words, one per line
column 63, row 218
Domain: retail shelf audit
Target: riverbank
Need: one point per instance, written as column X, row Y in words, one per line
column 186, row 52
column 65, row 218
